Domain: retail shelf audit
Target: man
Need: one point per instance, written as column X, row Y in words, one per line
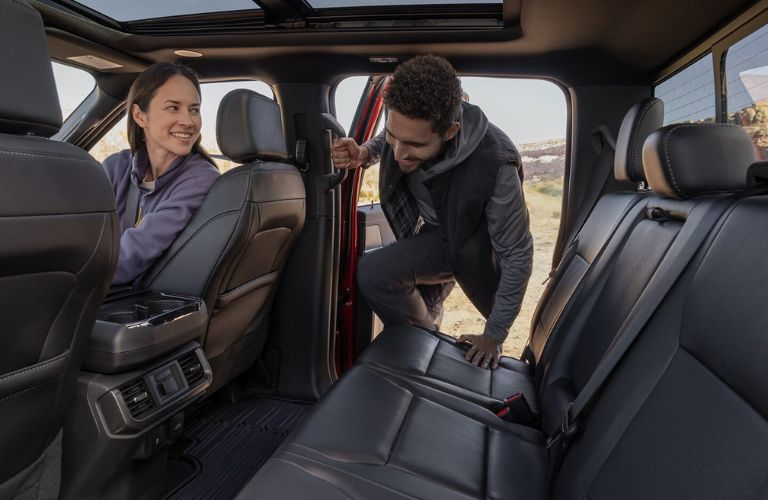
column 450, row 185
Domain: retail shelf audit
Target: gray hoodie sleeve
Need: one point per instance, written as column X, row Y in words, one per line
column 509, row 229
column 374, row 146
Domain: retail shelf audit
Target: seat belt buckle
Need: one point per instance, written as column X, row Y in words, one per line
column 567, row 430
column 515, row 408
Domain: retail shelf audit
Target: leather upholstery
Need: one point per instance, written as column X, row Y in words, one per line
column 234, row 248
column 26, row 109
column 249, row 127
column 686, row 160
column 641, row 119
column 683, row 416
column 59, row 233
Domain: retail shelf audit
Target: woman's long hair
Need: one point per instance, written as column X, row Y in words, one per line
column 144, row 89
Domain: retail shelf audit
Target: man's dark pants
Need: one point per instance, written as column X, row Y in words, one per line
column 389, row 277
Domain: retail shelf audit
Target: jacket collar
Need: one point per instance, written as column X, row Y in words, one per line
column 140, row 164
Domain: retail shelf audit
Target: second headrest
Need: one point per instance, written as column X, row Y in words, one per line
column 689, row 159
column 249, row 127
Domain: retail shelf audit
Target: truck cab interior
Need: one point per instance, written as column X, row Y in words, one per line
column 246, row 364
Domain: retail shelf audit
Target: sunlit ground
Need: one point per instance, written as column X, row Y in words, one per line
column 543, row 199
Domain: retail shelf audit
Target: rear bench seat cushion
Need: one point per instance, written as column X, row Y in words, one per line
column 424, row 358
column 374, row 437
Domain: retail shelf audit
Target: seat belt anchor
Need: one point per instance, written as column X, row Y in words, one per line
column 567, row 430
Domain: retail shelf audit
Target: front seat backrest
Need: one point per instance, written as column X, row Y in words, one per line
column 233, row 249
column 58, row 250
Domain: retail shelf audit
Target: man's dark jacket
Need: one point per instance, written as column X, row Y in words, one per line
column 460, row 196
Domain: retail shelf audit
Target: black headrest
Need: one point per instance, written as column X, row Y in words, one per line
column 685, row 160
column 641, row 119
column 248, row 127
column 29, row 104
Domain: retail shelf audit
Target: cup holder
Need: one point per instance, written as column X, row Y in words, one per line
column 125, row 317
column 153, row 309
column 158, row 307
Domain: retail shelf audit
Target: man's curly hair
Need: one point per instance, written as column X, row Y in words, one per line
column 426, row 87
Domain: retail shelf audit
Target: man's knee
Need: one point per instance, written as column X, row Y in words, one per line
column 371, row 275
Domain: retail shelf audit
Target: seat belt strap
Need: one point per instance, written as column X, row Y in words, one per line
column 131, row 214
column 660, row 285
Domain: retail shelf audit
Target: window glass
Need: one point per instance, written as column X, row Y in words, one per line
column 746, row 87
column 533, row 113
column 212, row 93
column 123, row 11
column 330, row 4
column 73, row 86
column 689, row 95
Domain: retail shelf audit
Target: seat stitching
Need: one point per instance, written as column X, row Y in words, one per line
column 41, row 155
column 432, row 357
column 18, row 393
column 348, row 473
column 400, row 429
column 666, row 148
column 668, row 163
column 633, row 143
column 46, row 363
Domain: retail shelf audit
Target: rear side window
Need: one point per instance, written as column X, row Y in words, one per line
column 73, row 85
column 689, row 95
column 745, row 93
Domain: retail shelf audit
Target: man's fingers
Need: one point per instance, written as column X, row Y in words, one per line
column 487, row 358
column 470, row 353
column 477, row 358
column 462, row 338
column 496, row 359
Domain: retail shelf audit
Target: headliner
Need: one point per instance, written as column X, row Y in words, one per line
column 575, row 42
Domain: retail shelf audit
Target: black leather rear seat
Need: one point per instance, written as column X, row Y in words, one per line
column 417, row 353
column 683, row 416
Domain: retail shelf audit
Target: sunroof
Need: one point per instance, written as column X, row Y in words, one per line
column 134, row 10
column 333, row 4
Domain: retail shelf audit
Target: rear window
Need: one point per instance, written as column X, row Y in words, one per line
column 73, row 86
column 745, row 92
column 689, row 95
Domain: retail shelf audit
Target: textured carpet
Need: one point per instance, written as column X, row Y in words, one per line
column 231, row 444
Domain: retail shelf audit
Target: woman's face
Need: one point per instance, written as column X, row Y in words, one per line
column 172, row 122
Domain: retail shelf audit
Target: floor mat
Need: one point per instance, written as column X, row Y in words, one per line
column 230, row 445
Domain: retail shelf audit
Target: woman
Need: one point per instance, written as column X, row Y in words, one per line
column 166, row 162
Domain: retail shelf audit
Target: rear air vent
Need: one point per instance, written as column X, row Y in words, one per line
column 192, row 368
column 136, row 397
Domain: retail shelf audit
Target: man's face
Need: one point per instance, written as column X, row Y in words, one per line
column 413, row 141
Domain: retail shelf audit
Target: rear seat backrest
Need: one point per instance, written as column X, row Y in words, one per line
column 650, row 238
column 684, row 415
column 641, row 119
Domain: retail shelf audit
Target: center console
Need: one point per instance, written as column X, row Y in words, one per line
column 143, row 367
column 134, row 327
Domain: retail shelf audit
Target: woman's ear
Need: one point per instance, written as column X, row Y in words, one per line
column 139, row 116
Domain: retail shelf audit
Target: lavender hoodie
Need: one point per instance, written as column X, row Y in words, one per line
column 165, row 211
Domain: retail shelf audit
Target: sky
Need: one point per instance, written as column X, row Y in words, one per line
column 526, row 110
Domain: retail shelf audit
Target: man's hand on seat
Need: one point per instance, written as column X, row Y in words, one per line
column 347, row 154
column 485, row 350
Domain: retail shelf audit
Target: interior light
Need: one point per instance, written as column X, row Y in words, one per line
column 187, row 53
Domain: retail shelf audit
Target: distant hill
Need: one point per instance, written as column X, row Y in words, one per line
column 543, row 160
